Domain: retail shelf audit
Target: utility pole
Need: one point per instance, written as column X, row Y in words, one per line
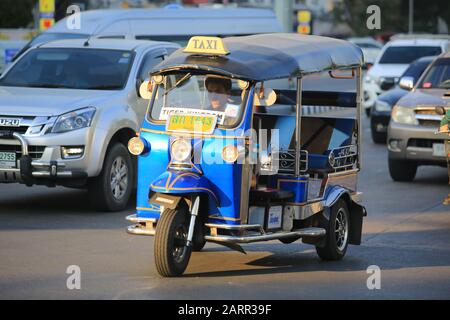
column 411, row 17
column 284, row 11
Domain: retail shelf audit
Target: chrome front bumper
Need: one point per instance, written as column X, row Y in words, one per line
column 29, row 169
column 250, row 232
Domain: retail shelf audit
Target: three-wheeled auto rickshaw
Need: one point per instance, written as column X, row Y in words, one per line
column 226, row 156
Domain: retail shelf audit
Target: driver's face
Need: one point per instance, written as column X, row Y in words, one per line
column 218, row 95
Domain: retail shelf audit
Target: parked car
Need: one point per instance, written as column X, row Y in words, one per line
column 412, row 139
column 67, row 111
column 165, row 24
column 370, row 48
column 395, row 58
column 381, row 111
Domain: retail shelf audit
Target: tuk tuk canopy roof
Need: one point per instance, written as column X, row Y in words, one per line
column 269, row 56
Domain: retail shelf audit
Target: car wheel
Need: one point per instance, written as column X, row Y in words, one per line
column 378, row 137
column 111, row 190
column 401, row 170
column 337, row 237
column 171, row 251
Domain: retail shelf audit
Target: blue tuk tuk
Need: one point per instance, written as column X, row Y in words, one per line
column 225, row 154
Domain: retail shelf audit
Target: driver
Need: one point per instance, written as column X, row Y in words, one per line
column 219, row 92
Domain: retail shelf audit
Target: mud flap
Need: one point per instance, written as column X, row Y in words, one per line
column 357, row 212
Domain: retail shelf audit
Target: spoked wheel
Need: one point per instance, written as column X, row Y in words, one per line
column 337, row 233
column 171, row 253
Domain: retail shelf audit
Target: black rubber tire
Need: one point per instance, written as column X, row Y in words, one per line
column 288, row 240
column 100, row 193
column 198, row 245
column 331, row 251
column 377, row 137
column 401, row 170
column 166, row 264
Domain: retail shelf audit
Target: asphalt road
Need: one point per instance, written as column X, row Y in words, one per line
column 406, row 234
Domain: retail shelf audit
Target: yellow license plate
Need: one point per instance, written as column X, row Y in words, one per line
column 191, row 123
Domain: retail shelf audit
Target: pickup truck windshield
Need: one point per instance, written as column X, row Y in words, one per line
column 407, row 54
column 71, row 68
column 438, row 76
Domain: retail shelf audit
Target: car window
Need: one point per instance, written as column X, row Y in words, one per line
column 150, row 60
column 416, row 69
column 72, row 68
column 407, row 54
column 438, row 76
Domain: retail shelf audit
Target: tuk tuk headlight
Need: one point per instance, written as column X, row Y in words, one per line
column 137, row 146
column 230, row 154
column 404, row 115
column 181, row 150
column 74, row 120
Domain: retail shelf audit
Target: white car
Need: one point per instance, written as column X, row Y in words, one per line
column 370, row 48
column 393, row 60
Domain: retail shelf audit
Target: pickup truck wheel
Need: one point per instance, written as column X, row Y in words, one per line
column 111, row 190
column 338, row 229
column 171, row 252
column 401, row 170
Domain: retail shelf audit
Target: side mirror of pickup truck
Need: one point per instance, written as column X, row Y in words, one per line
column 406, row 83
column 144, row 89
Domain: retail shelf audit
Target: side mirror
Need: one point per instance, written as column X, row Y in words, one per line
column 407, row 83
column 440, row 110
column 263, row 97
column 145, row 90
column 386, row 84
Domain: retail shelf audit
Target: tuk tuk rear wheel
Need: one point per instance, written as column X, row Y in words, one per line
column 338, row 230
column 171, row 253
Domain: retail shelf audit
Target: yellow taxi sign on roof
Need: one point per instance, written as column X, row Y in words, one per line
column 206, row 45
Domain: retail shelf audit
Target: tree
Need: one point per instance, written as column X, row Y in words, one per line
column 16, row 14
column 394, row 15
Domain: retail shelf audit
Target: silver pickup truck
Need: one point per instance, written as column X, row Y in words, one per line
column 67, row 111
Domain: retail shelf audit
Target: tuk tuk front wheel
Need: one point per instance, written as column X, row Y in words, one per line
column 171, row 251
column 337, row 233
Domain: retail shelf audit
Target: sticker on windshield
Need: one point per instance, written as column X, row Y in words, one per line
column 232, row 111
column 166, row 112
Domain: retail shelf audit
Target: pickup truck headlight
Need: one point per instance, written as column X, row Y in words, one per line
column 382, row 106
column 74, row 120
column 404, row 115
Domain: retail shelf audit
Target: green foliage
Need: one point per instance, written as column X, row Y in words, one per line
column 16, row 13
column 394, row 15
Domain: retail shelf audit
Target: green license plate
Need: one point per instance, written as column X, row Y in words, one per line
column 7, row 160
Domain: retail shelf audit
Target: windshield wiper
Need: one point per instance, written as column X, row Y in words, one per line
column 178, row 83
column 103, row 87
column 48, row 85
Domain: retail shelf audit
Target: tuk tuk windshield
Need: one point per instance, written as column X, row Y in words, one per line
column 199, row 94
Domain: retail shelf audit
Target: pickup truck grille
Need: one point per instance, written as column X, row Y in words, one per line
column 21, row 129
column 35, row 152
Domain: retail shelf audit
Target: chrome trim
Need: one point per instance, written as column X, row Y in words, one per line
column 298, row 115
column 359, row 104
column 23, row 143
column 235, row 227
column 302, row 212
column 140, row 230
column 134, row 218
column 306, row 232
column 432, row 117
